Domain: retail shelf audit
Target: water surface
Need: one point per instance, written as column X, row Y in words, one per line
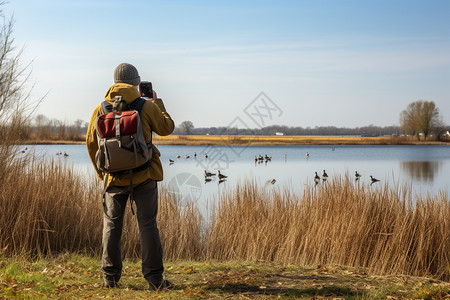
column 425, row 168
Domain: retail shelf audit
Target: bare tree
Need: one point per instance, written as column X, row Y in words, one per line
column 15, row 106
column 186, row 127
column 420, row 117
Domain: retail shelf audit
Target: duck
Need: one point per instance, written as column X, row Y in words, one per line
column 65, row 154
column 373, row 180
column 178, row 156
column 316, row 178
column 324, row 175
column 206, row 156
column 221, row 176
column 209, row 174
column 186, row 156
column 357, row 175
column 222, row 180
column 307, row 155
column 207, row 179
column 272, row 181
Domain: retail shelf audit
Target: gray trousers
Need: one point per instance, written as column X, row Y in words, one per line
column 115, row 201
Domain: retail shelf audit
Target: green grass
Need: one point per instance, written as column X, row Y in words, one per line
column 73, row 276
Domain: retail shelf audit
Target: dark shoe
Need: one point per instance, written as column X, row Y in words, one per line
column 163, row 285
column 111, row 284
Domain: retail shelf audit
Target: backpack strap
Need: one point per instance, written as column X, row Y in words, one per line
column 137, row 104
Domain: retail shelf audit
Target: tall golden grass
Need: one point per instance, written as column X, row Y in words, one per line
column 47, row 208
column 381, row 229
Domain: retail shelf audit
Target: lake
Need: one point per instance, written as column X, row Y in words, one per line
column 424, row 167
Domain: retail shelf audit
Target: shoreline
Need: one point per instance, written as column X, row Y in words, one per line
column 260, row 140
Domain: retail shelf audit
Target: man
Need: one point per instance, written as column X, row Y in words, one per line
column 144, row 185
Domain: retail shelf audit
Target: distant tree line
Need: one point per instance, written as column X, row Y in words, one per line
column 420, row 119
column 44, row 128
column 370, row 130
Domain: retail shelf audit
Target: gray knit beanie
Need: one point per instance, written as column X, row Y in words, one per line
column 126, row 73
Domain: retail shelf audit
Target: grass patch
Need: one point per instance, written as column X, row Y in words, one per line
column 73, row 276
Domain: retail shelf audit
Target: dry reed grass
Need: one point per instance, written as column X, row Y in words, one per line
column 47, row 208
column 381, row 229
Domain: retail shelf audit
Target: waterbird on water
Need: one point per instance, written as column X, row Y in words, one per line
column 316, row 178
column 373, row 180
column 324, row 175
column 357, row 175
column 209, row 174
column 221, row 176
column 307, row 155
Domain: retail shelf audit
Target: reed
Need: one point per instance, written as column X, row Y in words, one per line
column 381, row 229
column 47, row 208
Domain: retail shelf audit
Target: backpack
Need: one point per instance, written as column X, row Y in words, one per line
column 121, row 142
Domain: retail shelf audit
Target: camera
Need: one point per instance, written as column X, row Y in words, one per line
column 146, row 89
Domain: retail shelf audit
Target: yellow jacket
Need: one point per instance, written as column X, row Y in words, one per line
column 153, row 118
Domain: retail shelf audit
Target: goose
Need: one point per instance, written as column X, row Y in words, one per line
column 221, row 176
column 357, row 175
column 207, row 179
column 373, row 180
column 222, row 180
column 171, row 161
column 316, row 178
column 65, row 154
column 324, row 175
column 268, row 158
column 208, row 174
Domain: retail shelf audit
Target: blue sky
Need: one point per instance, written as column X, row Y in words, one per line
column 323, row 63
